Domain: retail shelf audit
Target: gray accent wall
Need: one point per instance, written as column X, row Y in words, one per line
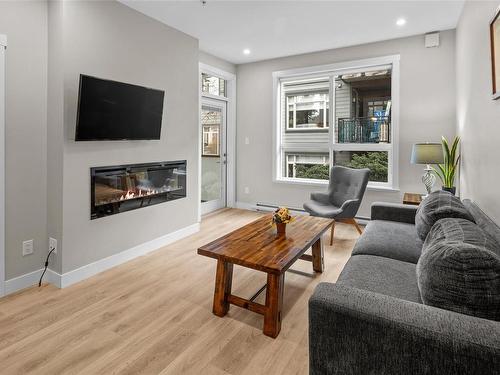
column 109, row 40
column 25, row 24
column 50, row 44
column 478, row 116
column 427, row 111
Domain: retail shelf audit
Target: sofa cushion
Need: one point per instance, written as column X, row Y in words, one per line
column 461, row 230
column 381, row 275
column 484, row 222
column 461, row 277
column 438, row 205
column 390, row 239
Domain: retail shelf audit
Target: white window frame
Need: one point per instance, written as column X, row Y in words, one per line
column 325, row 104
column 294, row 154
column 220, row 75
column 209, row 134
column 331, row 71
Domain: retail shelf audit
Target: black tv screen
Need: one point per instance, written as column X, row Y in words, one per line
column 110, row 110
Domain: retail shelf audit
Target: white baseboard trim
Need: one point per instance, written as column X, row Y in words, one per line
column 362, row 220
column 31, row 279
column 254, row 207
column 53, row 277
column 23, row 281
column 246, row 206
column 84, row 272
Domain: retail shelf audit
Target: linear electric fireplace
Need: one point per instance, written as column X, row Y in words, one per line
column 128, row 187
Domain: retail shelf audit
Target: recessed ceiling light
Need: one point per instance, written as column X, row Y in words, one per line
column 246, row 51
column 401, row 22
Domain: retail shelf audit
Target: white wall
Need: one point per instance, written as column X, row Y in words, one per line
column 216, row 62
column 55, row 126
column 478, row 116
column 25, row 24
column 427, row 111
column 47, row 173
column 110, row 40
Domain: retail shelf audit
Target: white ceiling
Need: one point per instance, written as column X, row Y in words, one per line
column 281, row 28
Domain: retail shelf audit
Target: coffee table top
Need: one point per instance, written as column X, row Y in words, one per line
column 257, row 246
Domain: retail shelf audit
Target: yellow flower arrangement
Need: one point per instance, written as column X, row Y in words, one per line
column 281, row 216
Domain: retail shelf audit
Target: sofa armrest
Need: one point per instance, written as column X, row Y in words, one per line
column 354, row 331
column 323, row 197
column 404, row 213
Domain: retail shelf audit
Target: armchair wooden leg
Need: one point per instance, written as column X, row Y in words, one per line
column 353, row 222
column 333, row 230
column 358, row 228
column 356, row 225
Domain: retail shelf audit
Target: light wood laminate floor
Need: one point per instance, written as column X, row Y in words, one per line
column 153, row 315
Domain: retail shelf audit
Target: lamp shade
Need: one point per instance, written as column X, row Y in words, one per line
column 427, row 153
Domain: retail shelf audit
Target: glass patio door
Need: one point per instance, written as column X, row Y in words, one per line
column 213, row 155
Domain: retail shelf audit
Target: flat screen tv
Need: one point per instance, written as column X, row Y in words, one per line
column 110, row 110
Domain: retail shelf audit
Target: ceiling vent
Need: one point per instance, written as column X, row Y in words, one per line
column 432, row 39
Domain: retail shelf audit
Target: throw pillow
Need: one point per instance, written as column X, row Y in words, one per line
column 438, row 205
column 460, row 277
column 461, row 230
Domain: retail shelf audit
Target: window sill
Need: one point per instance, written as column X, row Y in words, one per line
column 382, row 188
column 213, row 96
column 325, row 183
column 305, row 130
column 298, row 181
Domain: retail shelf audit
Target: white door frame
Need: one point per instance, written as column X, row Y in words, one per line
column 230, row 132
column 3, row 46
column 216, row 204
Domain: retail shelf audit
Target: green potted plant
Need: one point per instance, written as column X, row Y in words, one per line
column 447, row 171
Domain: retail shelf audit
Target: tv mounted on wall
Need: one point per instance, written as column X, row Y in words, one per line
column 110, row 111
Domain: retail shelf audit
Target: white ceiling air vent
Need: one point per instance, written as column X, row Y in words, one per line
column 432, row 39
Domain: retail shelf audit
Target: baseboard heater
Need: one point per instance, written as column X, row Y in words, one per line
column 271, row 207
column 265, row 207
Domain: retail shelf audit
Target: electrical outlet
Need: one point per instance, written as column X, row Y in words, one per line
column 27, row 247
column 247, row 190
column 53, row 245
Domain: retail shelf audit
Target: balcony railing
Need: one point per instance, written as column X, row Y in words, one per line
column 364, row 130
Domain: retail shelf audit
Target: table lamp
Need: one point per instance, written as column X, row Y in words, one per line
column 427, row 153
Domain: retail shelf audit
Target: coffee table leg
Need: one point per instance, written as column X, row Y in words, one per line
column 317, row 254
column 223, row 282
column 274, row 304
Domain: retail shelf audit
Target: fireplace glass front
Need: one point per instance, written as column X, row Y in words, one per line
column 128, row 187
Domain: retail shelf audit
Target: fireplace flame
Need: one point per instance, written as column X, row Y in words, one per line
column 141, row 193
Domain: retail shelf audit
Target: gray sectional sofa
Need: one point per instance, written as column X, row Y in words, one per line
column 373, row 319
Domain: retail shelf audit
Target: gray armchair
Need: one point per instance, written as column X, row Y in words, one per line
column 343, row 198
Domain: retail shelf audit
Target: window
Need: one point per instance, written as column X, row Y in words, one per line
column 307, row 110
column 307, row 165
column 342, row 116
column 376, row 161
column 213, row 85
column 210, row 121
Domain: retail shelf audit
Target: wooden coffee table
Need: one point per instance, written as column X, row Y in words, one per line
column 257, row 246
